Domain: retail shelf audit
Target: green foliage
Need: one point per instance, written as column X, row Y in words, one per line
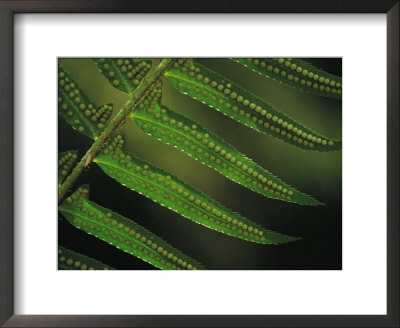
column 180, row 197
column 298, row 74
column 191, row 78
column 151, row 100
column 123, row 233
column 203, row 145
column 70, row 260
column 77, row 109
column 213, row 89
column 66, row 161
column 124, row 74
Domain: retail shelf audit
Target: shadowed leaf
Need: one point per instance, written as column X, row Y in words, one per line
column 66, row 161
column 123, row 233
column 77, row 109
column 70, row 260
column 124, row 74
column 298, row 74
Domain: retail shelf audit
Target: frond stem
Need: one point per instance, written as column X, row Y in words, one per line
column 145, row 86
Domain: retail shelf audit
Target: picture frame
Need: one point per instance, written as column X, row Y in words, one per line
column 7, row 130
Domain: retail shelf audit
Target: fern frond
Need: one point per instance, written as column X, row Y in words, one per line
column 66, row 160
column 297, row 73
column 151, row 100
column 213, row 89
column 124, row 74
column 123, row 233
column 203, row 145
column 70, row 260
column 171, row 192
column 77, row 109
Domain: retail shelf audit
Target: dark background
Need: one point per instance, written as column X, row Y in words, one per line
column 318, row 174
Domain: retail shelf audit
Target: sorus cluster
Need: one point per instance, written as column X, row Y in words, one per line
column 206, row 87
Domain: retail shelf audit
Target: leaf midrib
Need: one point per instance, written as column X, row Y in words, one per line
column 160, row 187
column 281, row 80
column 135, row 114
column 204, row 86
column 223, row 230
column 159, row 264
column 203, row 146
column 105, row 226
column 243, row 120
column 215, row 92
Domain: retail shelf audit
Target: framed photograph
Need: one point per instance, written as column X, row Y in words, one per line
column 213, row 164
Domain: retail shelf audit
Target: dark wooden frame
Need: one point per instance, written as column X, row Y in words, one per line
column 7, row 11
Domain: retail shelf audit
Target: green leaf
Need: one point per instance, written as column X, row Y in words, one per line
column 203, row 145
column 151, row 100
column 123, row 233
column 66, row 161
column 124, row 74
column 171, row 192
column 213, row 89
column 77, row 109
column 70, row 260
column 298, row 74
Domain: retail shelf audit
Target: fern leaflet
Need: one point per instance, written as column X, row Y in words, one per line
column 123, row 233
column 182, row 198
column 77, row 109
column 203, row 145
column 213, row 89
column 70, row 260
column 298, row 74
column 124, row 74
column 66, row 161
